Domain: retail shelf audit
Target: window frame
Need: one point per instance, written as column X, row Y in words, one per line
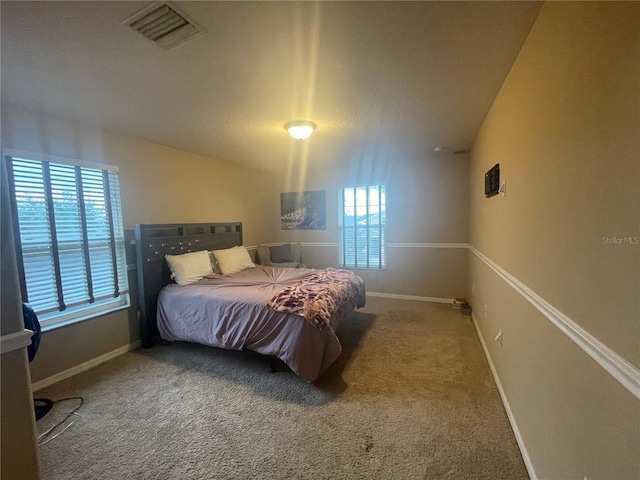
column 343, row 253
column 88, row 307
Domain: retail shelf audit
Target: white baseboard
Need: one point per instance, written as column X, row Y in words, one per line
column 83, row 366
column 410, row 297
column 505, row 402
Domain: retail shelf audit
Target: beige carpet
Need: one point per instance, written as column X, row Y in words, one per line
column 411, row 397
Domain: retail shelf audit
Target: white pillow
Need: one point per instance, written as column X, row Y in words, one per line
column 233, row 260
column 189, row 267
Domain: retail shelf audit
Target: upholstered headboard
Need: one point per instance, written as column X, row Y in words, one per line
column 153, row 242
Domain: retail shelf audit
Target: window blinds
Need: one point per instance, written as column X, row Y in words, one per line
column 361, row 222
column 70, row 235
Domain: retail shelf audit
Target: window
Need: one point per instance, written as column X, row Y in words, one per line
column 362, row 218
column 69, row 237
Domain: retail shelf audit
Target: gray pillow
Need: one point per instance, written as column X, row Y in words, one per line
column 286, row 265
column 281, row 253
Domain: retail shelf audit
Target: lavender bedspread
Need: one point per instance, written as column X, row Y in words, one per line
column 231, row 312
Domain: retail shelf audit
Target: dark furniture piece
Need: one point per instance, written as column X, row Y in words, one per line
column 153, row 242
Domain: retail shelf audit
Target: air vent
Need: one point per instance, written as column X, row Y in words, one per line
column 164, row 24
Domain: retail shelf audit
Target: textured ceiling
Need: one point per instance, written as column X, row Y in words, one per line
column 410, row 75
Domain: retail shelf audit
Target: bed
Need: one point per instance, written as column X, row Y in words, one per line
column 256, row 309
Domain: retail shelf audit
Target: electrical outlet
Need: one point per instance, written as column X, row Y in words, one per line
column 485, row 311
column 499, row 337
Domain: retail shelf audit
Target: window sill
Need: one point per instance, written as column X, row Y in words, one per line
column 367, row 269
column 79, row 319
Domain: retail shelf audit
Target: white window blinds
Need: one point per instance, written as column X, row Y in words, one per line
column 361, row 222
column 69, row 237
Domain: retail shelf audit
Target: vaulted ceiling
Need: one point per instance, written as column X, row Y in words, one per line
column 411, row 76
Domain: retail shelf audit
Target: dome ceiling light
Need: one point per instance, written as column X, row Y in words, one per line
column 300, row 129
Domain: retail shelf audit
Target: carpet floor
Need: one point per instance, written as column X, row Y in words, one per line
column 411, row 397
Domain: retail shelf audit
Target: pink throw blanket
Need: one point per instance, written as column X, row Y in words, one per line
column 321, row 294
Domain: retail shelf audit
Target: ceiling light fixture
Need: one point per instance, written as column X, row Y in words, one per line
column 300, row 129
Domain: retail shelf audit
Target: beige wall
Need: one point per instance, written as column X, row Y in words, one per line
column 427, row 202
column 158, row 185
column 564, row 129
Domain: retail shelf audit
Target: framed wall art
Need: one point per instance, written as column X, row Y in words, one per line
column 303, row 210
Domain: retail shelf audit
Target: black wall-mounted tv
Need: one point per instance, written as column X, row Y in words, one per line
column 492, row 181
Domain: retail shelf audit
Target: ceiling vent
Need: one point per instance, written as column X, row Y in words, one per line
column 164, row 24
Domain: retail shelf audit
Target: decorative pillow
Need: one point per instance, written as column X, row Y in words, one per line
column 189, row 267
column 281, row 253
column 263, row 257
column 214, row 264
column 233, row 260
column 285, row 264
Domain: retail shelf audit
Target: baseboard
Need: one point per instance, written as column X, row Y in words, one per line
column 505, row 402
column 410, row 297
column 83, row 366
